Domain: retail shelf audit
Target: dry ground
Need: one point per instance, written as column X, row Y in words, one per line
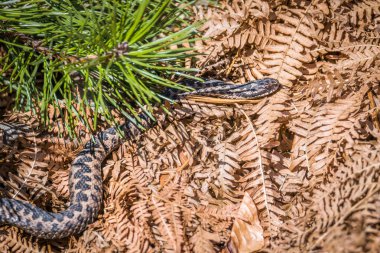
column 296, row 172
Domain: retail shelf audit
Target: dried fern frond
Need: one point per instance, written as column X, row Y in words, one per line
column 307, row 157
column 320, row 131
column 13, row 242
column 348, row 199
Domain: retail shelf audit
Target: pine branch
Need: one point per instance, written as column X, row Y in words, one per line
column 101, row 57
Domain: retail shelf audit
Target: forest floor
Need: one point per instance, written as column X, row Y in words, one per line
column 298, row 171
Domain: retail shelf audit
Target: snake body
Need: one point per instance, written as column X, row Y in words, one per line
column 85, row 180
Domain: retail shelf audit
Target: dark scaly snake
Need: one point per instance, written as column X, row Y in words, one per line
column 85, row 180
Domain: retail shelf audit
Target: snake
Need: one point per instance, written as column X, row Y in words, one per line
column 85, row 177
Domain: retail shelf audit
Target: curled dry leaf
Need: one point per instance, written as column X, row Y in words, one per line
column 247, row 234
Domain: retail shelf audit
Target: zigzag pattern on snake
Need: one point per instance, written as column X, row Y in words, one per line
column 85, row 180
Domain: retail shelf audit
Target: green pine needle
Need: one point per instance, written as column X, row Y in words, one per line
column 92, row 55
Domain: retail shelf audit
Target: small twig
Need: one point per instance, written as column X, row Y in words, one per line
column 233, row 62
column 120, row 49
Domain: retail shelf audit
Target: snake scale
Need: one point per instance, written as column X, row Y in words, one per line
column 85, row 180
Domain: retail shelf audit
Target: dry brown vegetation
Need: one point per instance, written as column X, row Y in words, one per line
column 296, row 172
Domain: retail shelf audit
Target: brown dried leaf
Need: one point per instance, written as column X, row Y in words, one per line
column 247, row 235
